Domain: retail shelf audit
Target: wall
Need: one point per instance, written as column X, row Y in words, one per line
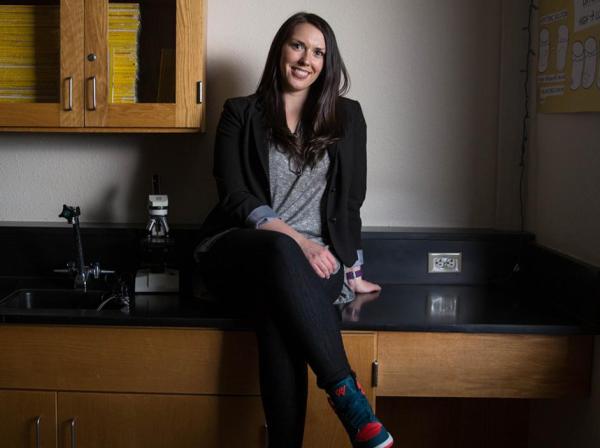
column 426, row 73
column 564, row 206
column 563, row 210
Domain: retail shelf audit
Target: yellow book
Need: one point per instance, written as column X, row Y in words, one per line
column 123, row 30
column 29, row 53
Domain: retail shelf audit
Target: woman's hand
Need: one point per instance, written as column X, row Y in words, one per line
column 362, row 286
column 320, row 258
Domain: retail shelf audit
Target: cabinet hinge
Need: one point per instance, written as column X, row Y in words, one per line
column 375, row 373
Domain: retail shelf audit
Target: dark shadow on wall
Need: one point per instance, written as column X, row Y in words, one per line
column 105, row 209
column 184, row 161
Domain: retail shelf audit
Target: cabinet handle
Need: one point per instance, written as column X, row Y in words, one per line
column 266, row 427
column 93, row 79
column 37, row 431
column 375, row 373
column 73, row 434
column 69, row 94
column 199, row 96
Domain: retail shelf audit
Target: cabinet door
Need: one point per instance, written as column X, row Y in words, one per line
column 322, row 428
column 41, row 74
column 27, row 419
column 158, row 421
column 144, row 63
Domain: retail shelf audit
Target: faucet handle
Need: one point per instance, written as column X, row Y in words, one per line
column 71, row 269
column 96, row 271
column 69, row 213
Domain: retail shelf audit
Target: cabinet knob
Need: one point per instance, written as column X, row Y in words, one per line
column 91, row 57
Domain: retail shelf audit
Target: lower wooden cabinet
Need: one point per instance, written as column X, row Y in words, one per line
column 27, row 419
column 101, row 420
column 113, row 387
column 119, row 387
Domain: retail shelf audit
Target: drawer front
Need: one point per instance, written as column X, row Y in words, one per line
column 418, row 364
column 118, row 359
column 156, row 420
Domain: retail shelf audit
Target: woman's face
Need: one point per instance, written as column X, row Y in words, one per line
column 302, row 58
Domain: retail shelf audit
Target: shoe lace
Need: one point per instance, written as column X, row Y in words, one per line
column 355, row 411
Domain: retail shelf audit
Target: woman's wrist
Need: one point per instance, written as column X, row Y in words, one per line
column 354, row 272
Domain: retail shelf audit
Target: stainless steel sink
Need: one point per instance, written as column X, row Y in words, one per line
column 57, row 299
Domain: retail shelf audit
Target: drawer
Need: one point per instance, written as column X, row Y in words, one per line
column 419, row 364
column 118, row 359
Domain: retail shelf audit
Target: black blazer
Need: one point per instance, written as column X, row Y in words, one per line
column 241, row 171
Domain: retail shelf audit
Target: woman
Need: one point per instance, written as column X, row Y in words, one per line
column 290, row 166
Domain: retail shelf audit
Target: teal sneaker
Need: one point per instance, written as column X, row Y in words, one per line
column 349, row 402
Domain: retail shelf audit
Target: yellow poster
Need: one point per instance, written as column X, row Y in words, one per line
column 568, row 62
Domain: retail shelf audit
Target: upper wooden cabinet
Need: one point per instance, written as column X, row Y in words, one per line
column 102, row 65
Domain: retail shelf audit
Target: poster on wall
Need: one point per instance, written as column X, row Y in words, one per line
column 568, row 56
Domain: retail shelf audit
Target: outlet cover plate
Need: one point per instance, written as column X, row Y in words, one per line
column 444, row 262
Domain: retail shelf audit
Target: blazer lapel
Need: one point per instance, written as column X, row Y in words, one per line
column 332, row 151
column 259, row 132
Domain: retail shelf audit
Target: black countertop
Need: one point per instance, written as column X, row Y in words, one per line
column 448, row 308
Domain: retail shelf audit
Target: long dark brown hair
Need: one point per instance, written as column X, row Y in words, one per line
column 320, row 125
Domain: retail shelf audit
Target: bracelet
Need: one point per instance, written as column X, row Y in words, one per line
column 353, row 275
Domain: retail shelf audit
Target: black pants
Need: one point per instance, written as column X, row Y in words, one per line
column 296, row 322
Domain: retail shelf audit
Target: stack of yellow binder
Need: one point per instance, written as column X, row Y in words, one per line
column 123, row 31
column 29, row 53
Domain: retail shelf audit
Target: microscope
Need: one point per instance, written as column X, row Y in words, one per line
column 158, row 248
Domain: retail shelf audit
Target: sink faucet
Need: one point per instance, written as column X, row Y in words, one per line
column 78, row 268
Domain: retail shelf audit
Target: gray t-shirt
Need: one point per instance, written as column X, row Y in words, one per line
column 296, row 193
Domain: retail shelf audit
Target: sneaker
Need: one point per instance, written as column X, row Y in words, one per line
column 349, row 402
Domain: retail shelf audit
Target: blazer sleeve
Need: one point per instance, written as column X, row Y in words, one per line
column 358, row 186
column 235, row 199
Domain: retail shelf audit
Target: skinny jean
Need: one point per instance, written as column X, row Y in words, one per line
column 266, row 273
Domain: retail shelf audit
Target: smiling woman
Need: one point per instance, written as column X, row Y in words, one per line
column 285, row 238
column 302, row 59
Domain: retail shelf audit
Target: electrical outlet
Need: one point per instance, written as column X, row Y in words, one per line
column 441, row 263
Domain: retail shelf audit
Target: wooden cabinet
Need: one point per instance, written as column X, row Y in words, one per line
column 100, row 420
column 27, row 418
column 156, row 387
column 96, row 80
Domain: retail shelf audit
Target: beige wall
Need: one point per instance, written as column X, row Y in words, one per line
column 564, row 212
column 426, row 73
column 565, row 184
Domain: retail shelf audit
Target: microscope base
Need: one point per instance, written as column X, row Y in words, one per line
column 167, row 281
